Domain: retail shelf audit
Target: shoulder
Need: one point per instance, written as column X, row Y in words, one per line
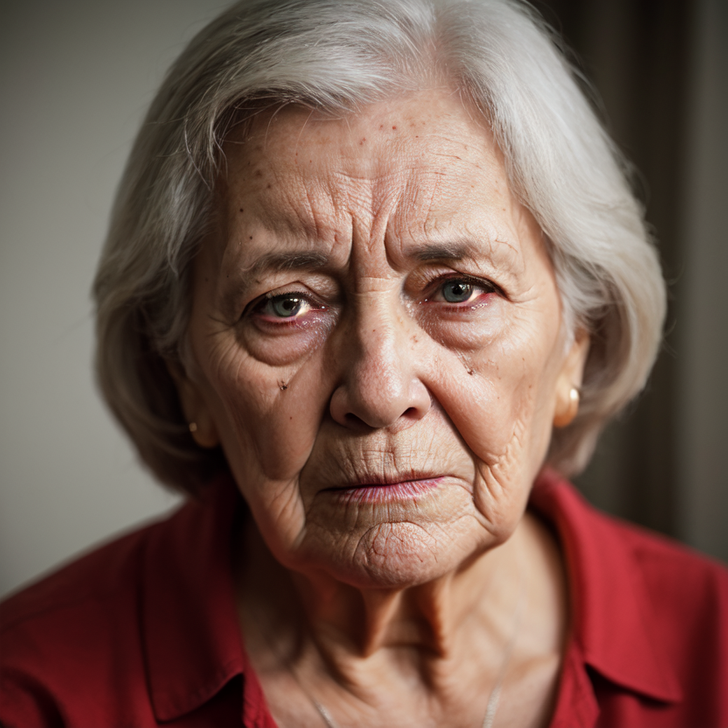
column 79, row 626
column 685, row 603
column 670, row 566
column 686, row 592
column 138, row 632
column 100, row 574
column 596, row 539
column 678, row 579
column 649, row 614
column 109, row 574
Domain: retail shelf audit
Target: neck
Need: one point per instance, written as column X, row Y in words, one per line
column 432, row 654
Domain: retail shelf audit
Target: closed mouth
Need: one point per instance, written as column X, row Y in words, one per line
column 382, row 491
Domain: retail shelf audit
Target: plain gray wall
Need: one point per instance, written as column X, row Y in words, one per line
column 75, row 79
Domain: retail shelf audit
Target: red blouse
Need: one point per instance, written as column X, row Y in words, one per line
column 143, row 631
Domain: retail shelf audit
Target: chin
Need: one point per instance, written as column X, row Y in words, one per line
column 398, row 556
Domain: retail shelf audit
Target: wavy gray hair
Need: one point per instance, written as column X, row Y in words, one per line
column 338, row 56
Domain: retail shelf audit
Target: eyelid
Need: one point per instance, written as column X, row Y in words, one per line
column 320, row 288
column 438, row 280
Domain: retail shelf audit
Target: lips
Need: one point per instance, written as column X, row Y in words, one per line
column 380, row 491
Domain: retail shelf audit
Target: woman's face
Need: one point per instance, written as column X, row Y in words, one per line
column 376, row 339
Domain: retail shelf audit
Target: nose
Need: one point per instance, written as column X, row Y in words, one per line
column 379, row 386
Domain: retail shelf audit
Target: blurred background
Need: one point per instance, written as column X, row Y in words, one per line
column 75, row 80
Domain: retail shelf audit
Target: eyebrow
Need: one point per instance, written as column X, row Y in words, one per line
column 443, row 251
column 289, row 261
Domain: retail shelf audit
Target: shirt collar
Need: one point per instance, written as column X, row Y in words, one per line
column 611, row 606
column 189, row 623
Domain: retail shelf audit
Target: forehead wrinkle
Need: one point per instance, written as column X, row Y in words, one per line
column 296, row 211
column 359, row 203
column 436, row 227
column 378, row 202
column 426, row 208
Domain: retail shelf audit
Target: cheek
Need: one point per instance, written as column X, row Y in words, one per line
column 268, row 420
column 268, row 417
column 497, row 396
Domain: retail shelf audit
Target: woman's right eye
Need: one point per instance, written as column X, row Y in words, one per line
column 284, row 308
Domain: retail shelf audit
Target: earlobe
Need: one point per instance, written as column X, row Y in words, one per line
column 569, row 382
column 197, row 413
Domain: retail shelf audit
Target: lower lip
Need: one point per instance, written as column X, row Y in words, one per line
column 388, row 492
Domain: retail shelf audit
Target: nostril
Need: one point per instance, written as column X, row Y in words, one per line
column 353, row 420
column 365, row 401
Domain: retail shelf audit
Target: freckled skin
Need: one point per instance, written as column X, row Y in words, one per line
column 380, row 378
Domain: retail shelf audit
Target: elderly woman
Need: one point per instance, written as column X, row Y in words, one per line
column 374, row 283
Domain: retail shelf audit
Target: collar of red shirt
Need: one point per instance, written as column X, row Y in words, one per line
column 611, row 607
column 190, row 628
column 189, row 621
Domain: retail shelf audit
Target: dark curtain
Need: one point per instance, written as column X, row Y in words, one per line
column 636, row 53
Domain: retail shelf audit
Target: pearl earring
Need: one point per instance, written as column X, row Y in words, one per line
column 565, row 418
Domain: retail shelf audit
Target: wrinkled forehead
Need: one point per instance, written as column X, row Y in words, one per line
column 401, row 177
column 428, row 147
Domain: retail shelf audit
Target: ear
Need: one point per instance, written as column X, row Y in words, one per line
column 569, row 380
column 194, row 406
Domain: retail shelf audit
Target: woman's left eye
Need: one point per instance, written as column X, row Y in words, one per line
column 460, row 290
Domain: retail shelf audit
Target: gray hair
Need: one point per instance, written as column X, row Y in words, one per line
column 338, row 56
